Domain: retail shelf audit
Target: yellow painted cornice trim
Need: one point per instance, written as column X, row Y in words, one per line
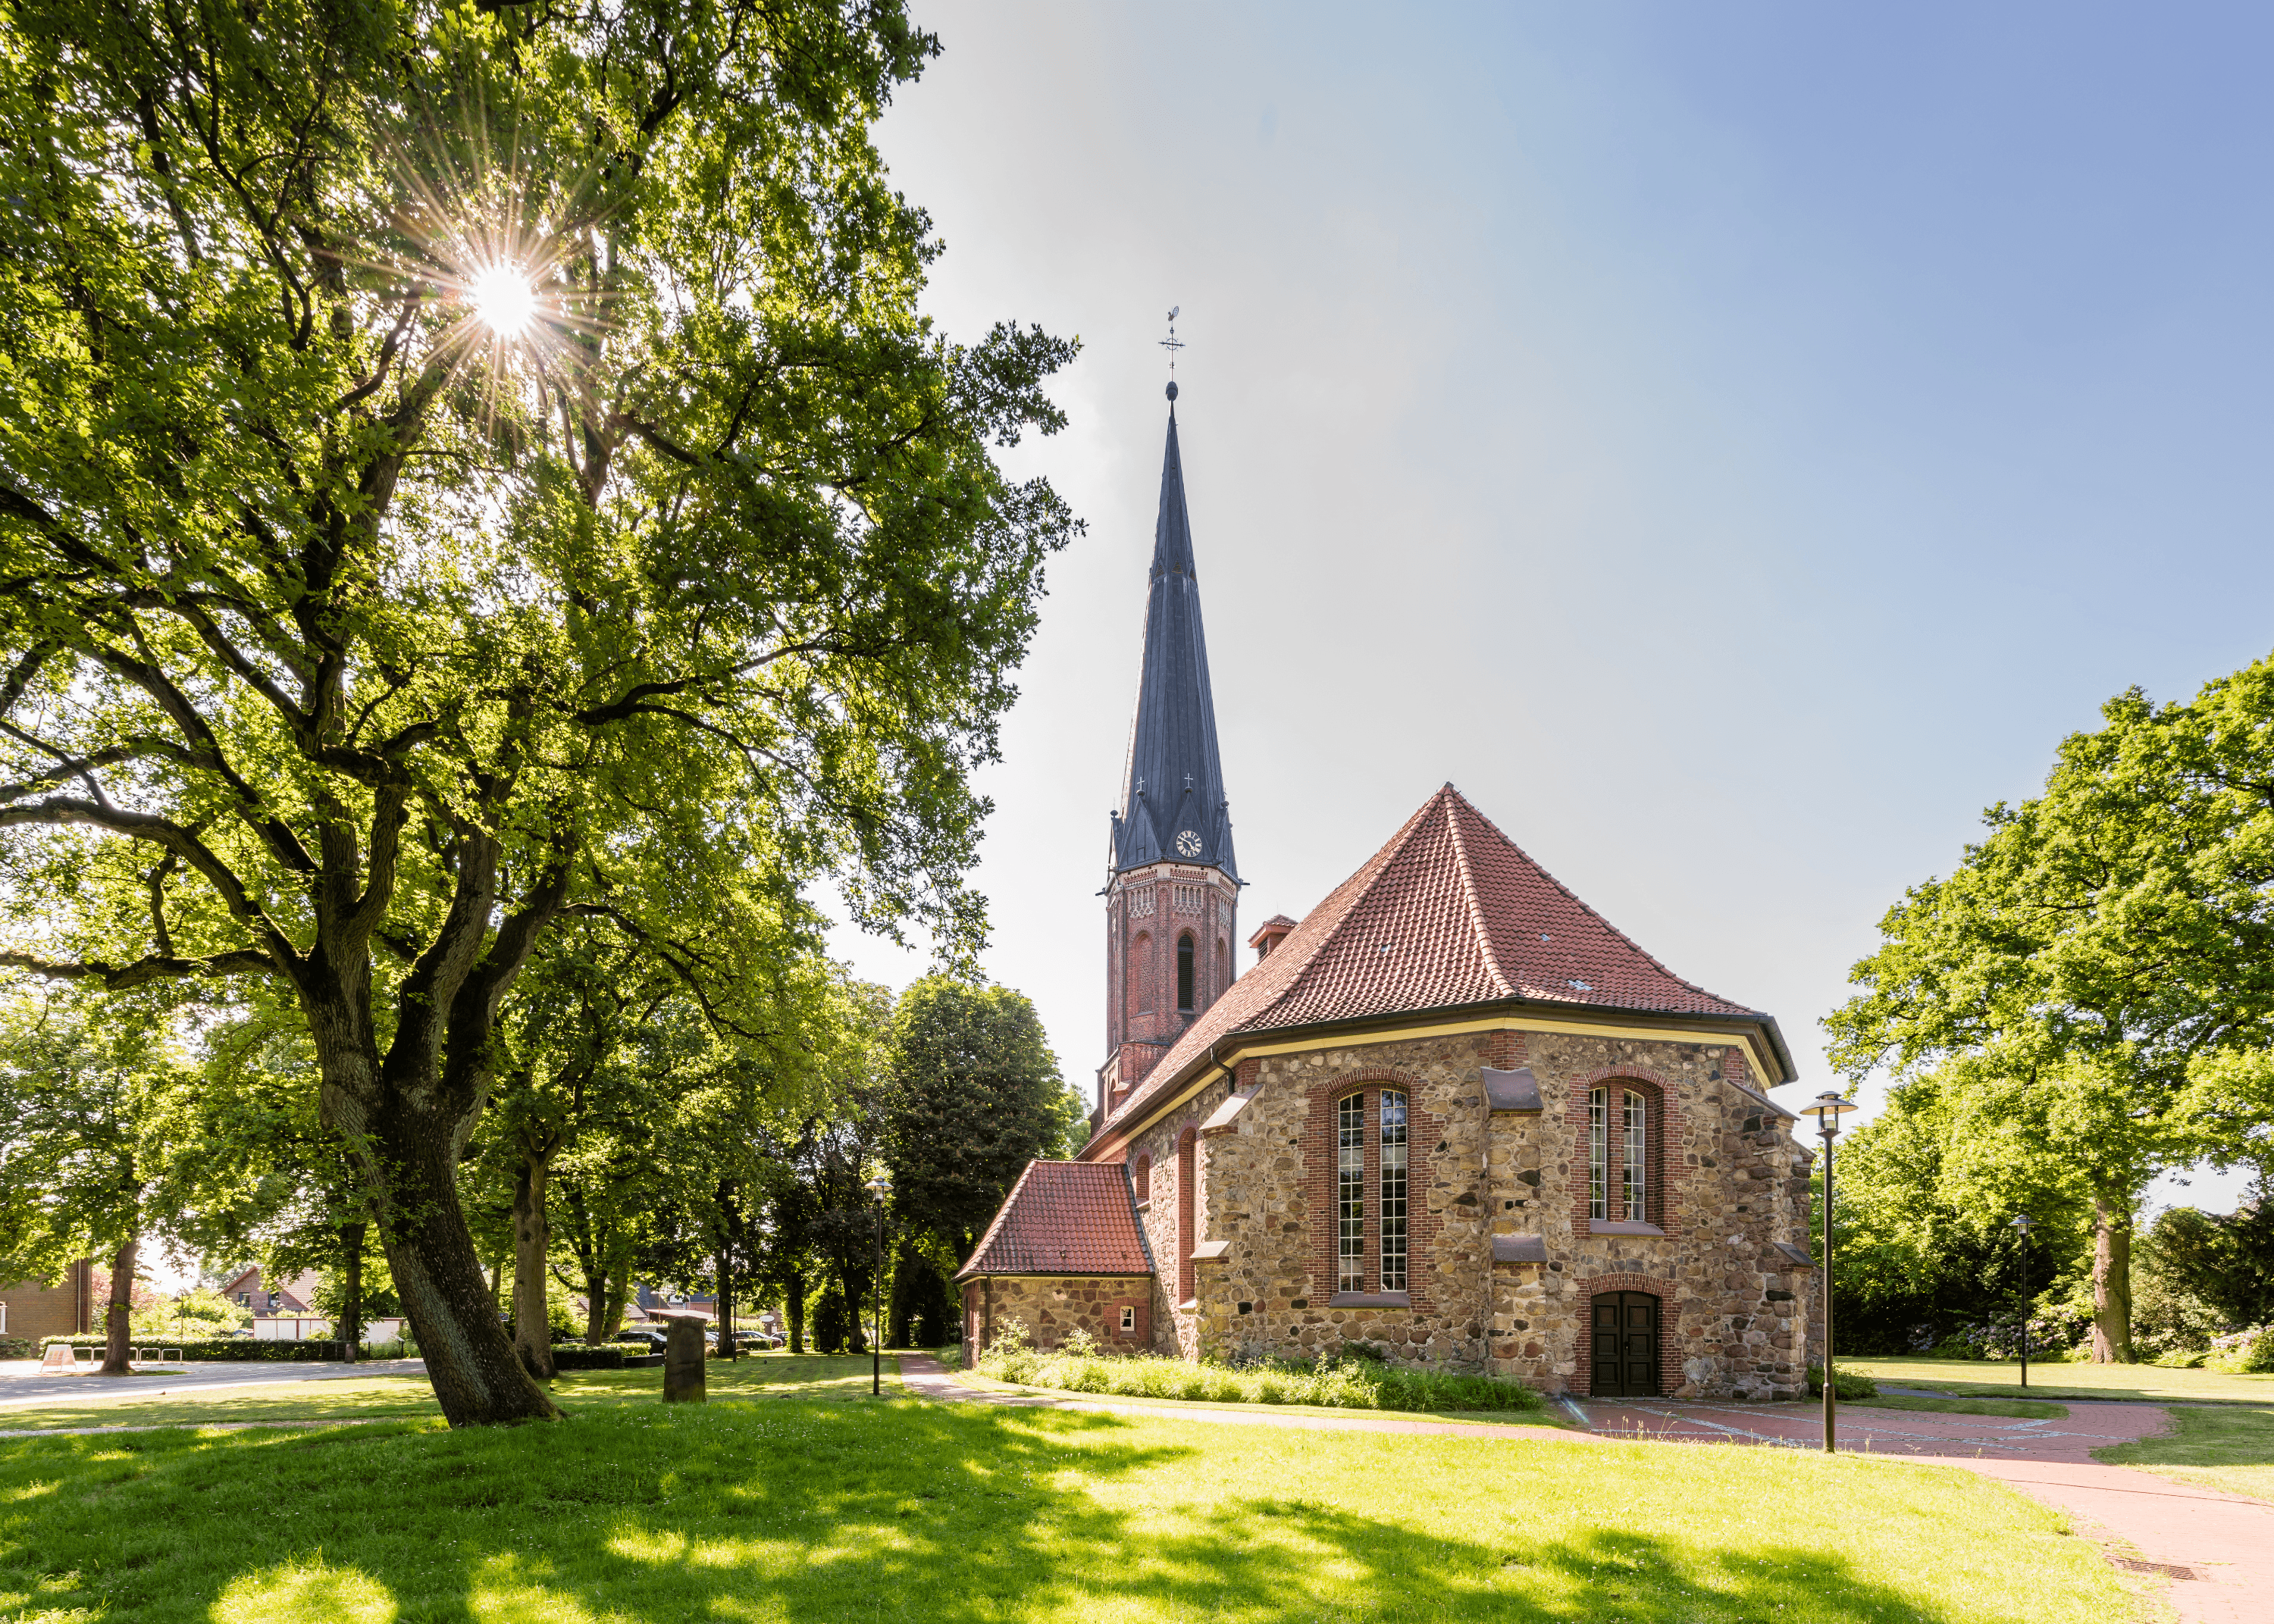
column 1759, row 1061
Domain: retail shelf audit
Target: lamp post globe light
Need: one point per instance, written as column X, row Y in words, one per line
column 879, row 1187
column 2022, row 1224
column 1827, row 1109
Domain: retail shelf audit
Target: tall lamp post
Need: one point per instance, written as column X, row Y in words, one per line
column 2022, row 1224
column 879, row 1187
column 1827, row 1109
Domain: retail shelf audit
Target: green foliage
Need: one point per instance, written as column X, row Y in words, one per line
column 2226, row 1263
column 377, row 641
column 2085, row 985
column 1846, row 1383
column 975, row 1096
column 1925, row 1254
column 2258, row 1357
column 202, row 1314
column 836, row 1329
column 1334, row 1383
column 221, row 1350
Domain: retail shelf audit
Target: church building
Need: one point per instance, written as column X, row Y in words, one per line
column 1450, row 1115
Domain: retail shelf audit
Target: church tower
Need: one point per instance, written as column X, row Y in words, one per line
column 1173, row 898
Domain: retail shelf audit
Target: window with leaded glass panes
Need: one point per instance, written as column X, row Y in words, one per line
column 1599, row 1154
column 1393, row 1191
column 1634, row 1191
column 1350, row 1194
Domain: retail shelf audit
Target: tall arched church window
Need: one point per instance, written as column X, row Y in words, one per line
column 1140, row 1177
column 1621, row 1143
column 1184, row 971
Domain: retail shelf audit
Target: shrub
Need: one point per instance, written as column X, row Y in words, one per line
column 17, row 1348
column 2258, row 1354
column 582, row 1355
column 1844, row 1383
column 1334, row 1382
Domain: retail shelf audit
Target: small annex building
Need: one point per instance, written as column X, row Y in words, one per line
column 1451, row 1114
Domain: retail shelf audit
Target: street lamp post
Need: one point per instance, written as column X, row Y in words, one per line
column 1827, row 1110
column 879, row 1187
column 2022, row 1224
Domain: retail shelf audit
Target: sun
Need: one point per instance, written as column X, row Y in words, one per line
column 502, row 296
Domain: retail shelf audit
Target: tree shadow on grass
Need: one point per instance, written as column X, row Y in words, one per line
column 813, row 1512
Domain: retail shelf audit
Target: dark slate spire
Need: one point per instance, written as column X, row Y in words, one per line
column 1172, row 787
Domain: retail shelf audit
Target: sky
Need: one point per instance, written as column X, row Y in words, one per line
column 1733, row 444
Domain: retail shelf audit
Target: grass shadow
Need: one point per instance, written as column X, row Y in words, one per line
column 971, row 1514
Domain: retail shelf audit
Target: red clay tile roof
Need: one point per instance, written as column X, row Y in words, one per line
column 1064, row 1218
column 1448, row 912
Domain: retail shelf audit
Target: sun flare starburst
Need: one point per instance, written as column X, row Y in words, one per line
column 501, row 296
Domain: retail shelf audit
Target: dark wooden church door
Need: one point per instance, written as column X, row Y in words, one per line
column 1626, row 1346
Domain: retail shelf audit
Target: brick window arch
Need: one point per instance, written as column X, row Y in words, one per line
column 1186, row 986
column 1625, row 1150
column 1371, row 1181
column 1140, row 978
column 1140, row 1176
column 1185, row 1237
column 1223, row 968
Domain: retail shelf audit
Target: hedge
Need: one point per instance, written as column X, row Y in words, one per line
column 217, row 1350
column 577, row 1355
column 17, row 1348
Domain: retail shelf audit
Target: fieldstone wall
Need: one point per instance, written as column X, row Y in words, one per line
column 1729, row 1183
column 1053, row 1306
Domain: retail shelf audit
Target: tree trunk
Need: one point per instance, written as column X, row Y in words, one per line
column 408, row 1148
column 596, row 1307
column 117, row 1320
column 532, row 1246
column 620, row 1293
column 853, row 1284
column 351, row 1239
column 2111, row 1279
column 726, row 1264
column 793, row 1307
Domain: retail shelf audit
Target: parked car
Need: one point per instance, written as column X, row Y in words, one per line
column 757, row 1339
column 649, row 1339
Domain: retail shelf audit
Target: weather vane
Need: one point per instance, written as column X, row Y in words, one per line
column 1172, row 343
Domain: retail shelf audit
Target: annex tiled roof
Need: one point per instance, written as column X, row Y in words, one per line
column 1448, row 912
column 1064, row 1218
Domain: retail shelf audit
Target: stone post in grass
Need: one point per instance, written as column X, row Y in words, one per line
column 682, row 1359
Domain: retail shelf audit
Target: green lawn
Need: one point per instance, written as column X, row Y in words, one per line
column 770, row 1375
column 830, row 1510
column 2148, row 1383
column 2231, row 1447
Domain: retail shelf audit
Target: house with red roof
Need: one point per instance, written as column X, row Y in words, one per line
column 1452, row 1116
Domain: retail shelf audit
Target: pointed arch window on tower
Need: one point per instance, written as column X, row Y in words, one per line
column 1140, row 973
column 1185, row 971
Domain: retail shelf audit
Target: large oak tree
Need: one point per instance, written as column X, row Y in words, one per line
column 460, row 462
column 2092, row 988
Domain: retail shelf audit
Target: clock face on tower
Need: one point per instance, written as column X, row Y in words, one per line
column 1188, row 844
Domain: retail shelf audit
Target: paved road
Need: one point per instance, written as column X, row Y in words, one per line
column 23, row 1386
column 2216, row 1550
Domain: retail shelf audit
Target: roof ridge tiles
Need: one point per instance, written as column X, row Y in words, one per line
column 1452, row 797
column 1471, row 920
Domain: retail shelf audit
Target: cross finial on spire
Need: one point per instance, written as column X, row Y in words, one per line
column 1172, row 343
